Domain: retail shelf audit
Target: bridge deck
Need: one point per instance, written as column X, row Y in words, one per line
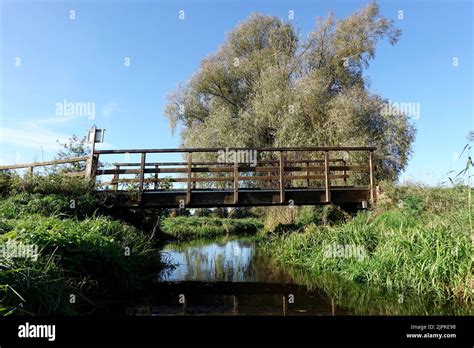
column 204, row 198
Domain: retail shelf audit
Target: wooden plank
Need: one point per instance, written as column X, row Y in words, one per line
column 136, row 164
column 224, row 198
column 142, row 172
column 327, row 182
column 262, row 149
column 373, row 193
column 75, row 174
column 190, row 166
column 236, row 181
column 282, row 182
column 229, row 169
column 44, row 164
column 231, row 179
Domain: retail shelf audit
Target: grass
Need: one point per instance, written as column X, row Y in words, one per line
column 188, row 228
column 82, row 254
column 416, row 239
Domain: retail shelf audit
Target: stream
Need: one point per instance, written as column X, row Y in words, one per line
column 231, row 276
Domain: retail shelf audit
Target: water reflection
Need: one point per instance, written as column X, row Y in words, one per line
column 209, row 272
column 223, row 261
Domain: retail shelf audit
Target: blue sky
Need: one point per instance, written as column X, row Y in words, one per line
column 46, row 57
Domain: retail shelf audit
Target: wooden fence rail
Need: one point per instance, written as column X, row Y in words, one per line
column 31, row 166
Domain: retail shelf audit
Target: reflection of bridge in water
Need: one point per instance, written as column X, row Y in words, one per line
column 201, row 298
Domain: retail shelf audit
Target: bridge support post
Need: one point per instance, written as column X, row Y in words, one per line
column 236, row 305
column 190, row 169
column 282, row 183
column 142, row 171
column 116, row 177
column 344, row 163
column 90, row 170
column 307, row 175
column 155, row 183
column 373, row 192
column 327, row 181
column 236, row 180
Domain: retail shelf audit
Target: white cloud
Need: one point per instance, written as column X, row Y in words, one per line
column 33, row 138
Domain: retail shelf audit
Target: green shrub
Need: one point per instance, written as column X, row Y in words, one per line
column 93, row 248
column 186, row 228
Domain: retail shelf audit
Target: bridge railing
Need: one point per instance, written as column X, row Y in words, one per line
column 315, row 167
column 31, row 166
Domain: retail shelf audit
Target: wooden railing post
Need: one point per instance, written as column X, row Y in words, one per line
column 282, row 183
column 90, row 170
column 116, row 177
column 373, row 193
column 190, row 168
column 327, row 182
column 236, row 180
column 155, row 183
column 142, row 171
column 194, row 177
column 307, row 174
column 344, row 162
column 30, row 170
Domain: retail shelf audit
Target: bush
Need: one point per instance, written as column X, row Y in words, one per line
column 93, row 248
column 187, row 228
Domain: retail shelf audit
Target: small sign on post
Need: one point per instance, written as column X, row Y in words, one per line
column 96, row 135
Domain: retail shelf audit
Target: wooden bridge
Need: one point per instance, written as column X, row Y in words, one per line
column 230, row 177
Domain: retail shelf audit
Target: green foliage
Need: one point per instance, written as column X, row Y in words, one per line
column 240, row 212
column 92, row 247
column 187, row 228
column 34, row 287
column 267, row 86
column 408, row 247
column 50, row 184
column 75, row 147
column 25, row 204
column 81, row 252
column 202, row 212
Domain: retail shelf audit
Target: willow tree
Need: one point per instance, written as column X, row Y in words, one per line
column 268, row 86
